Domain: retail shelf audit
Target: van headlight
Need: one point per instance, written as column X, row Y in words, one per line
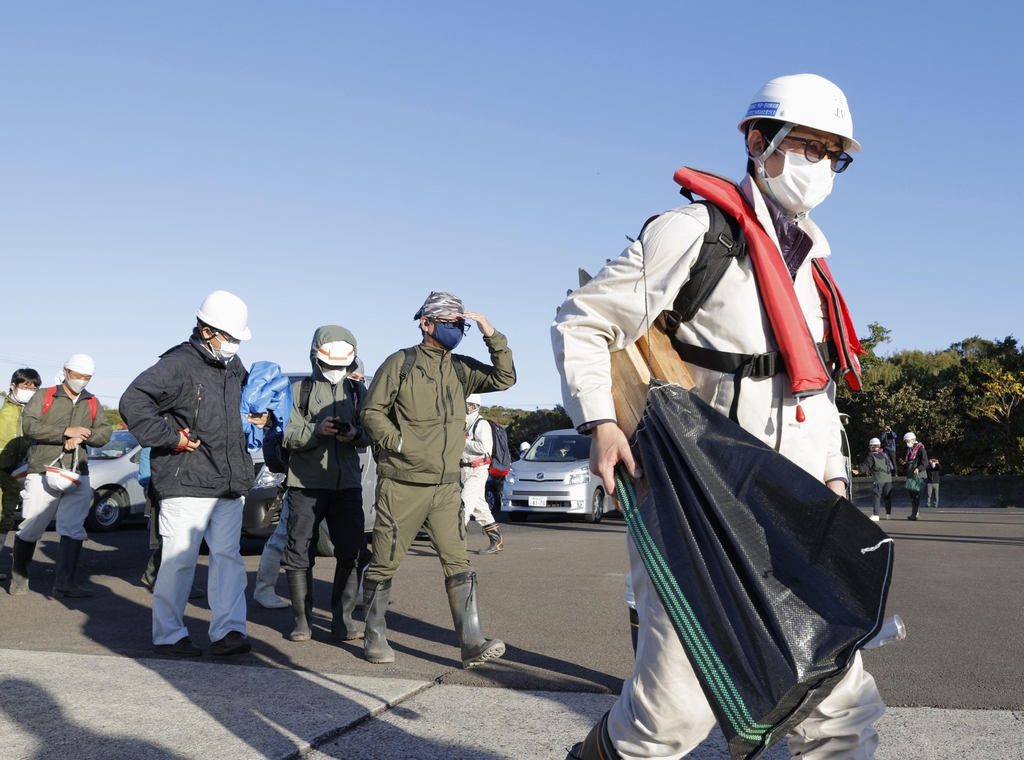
column 510, row 478
column 578, row 477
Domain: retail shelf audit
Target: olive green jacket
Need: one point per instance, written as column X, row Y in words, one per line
column 418, row 426
column 323, row 461
column 46, row 431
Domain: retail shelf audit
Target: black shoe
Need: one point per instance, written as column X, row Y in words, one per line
column 181, row 648
column 233, row 643
column 911, row 517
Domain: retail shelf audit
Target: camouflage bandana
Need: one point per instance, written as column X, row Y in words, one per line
column 440, row 305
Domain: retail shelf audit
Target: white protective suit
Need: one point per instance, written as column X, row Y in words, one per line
column 474, row 466
column 662, row 712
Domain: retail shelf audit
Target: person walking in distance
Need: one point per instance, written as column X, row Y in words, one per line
column 878, row 464
column 186, row 408
column 934, row 472
column 59, row 421
column 476, row 459
column 13, row 448
column 414, row 413
column 915, row 459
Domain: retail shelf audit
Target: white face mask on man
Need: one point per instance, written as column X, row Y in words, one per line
column 76, row 386
column 21, row 395
column 801, row 185
column 333, row 376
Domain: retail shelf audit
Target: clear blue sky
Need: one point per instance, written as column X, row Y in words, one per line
column 334, row 162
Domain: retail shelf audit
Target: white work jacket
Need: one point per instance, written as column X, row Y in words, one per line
column 479, row 440
column 611, row 311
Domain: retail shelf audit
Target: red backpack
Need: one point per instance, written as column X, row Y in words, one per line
column 94, row 405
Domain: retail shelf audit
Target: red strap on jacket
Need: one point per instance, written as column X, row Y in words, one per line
column 807, row 373
column 48, row 396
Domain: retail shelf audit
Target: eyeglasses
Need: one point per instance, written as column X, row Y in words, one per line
column 460, row 323
column 815, row 150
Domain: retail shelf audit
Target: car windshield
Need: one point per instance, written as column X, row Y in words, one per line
column 120, row 443
column 559, row 448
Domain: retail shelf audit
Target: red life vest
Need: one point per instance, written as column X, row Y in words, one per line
column 807, row 372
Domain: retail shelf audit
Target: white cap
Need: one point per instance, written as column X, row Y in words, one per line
column 524, row 446
column 874, row 442
column 909, row 437
column 474, row 398
column 337, row 353
column 226, row 312
column 81, row 363
column 807, row 100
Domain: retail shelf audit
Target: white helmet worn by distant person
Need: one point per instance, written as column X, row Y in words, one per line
column 524, row 447
column 807, row 100
column 337, row 353
column 875, row 443
column 474, row 398
column 909, row 438
column 225, row 312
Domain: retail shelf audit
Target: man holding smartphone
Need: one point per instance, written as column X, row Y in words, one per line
column 325, row 481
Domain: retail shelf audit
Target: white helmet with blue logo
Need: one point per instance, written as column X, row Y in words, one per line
column 806, row 100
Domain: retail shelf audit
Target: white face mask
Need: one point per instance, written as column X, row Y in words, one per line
column 333, row 376
column 226, row 352
column 22, row 396
column 76, row 386
column 801, row 185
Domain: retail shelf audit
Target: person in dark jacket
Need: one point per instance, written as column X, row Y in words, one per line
column 916, row 460
column 881, row 468
column 186, row 407
column 58, row 422
column 325, row 481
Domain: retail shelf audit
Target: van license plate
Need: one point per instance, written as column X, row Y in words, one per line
column 538, row 501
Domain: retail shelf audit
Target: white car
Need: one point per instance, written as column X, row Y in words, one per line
column 554, row 478
column 114, row 477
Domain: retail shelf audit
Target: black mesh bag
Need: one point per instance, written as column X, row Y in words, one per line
column 773, row 582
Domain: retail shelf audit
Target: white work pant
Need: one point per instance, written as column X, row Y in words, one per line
column 474, row 499
column 39, row 503
column 184, row 523
column 662, row 712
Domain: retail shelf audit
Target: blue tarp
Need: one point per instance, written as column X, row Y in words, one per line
column 267, row 390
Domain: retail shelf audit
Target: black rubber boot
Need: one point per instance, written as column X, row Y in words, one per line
column 462, row 599
column 152, row 568
column 493, row 532
column 302, row 604
column 21, row 559
column 67, row 562
column 597, row 746
column 344, row 594
column 375, row 603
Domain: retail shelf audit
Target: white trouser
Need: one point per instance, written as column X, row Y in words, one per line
column 184, row 523
column 474, row 488
column 40, row 502
column 662, row 712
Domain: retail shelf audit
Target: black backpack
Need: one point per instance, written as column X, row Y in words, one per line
column 275, row 455
column 501, row 457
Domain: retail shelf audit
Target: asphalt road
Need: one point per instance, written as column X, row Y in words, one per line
column 555, row 597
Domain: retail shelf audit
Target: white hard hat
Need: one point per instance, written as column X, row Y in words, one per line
column 227, row 312
column 807, row 100
column 875, row 443
column 524, row 446
column 910, row 437
column 474, row 398
column 338, row 353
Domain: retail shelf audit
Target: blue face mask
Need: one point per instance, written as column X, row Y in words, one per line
column 447, row 334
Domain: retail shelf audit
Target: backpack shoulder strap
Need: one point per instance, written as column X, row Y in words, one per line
column 410, row 359
column 304, row 390
column 94, row 408
column 460, row 371
column 48, row 397
column 721, row 245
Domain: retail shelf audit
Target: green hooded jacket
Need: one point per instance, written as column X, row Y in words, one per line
column 46, row 431
column 13, row 444
column 318, row 461
column 418, row 425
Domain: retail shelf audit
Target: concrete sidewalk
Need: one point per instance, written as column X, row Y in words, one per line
column 55, row 705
